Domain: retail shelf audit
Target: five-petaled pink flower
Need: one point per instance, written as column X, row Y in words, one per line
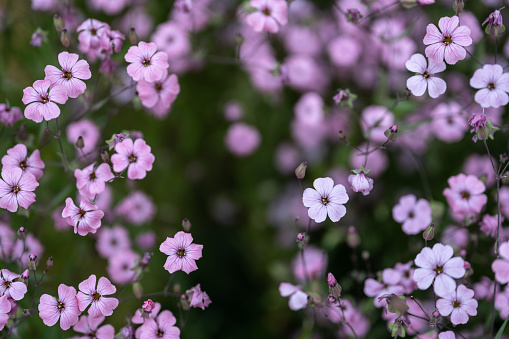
column 449, row 43
column 360, row 183
column 459, row 303
column 182, row 253
column 89, row 326
column 136, row 157
column 17, row 188
column 501, row 266
column 493, row 84
column 14, row 289
column 437, row 267
column 41, row 99
column 325, row 199
column 85, row 219
column 270, row 14
column 71, row 74
column 197, row 298
column 145, row 62
column 5, row 308
column 161, row 327
column 89, row 294
column 426, row 76
column 17, row 157
column 414, row 214
column 298, row 299
column 90, row 181
column 65, row 308
column 465, row 194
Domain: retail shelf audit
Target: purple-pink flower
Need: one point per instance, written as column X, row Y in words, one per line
column 64, row 308
column 17, row 157
column 325, row 199
column 198, row 298
column 89, row 326
column 161, row 327
column 465, row 194
column 10, row 115
column 414, row 214
column 145, row 62
column 160, row 94
column 450, row 43
column 298, row 299
column 71, row 75
column 85, row 219
column 501, row 266
column 42, row 100
column 425, row 77
column 437, row 267
column 17, row 188
column 459, row 304
column 11, row 288
column 5, row 308
column 269, row 15
column 493, row 85
column 136, row 157
column 90, row 181
column 360, row 183
column 90, row 295
column 182, row 253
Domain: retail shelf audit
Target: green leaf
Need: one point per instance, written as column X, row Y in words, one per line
column 501, row 330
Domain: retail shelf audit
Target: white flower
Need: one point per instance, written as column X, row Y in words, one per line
column 325, row 199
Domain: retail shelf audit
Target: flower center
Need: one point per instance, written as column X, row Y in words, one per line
column 439, row 270
column 15, row 189
column 456, row 304
column 266, row 11
column 426, row 75
column 411, row 215
column 96, row 296
column 325, row 200
column 491, row 86
column 7, row 284
column 465, row 195
column 158, row 87
column 447, row 40
column 44, row 98
column 23, row 165
column 67, row 75
column 132, row 158
column 82, row 213
column 60, row 306
column 93, row 31
column 181, row 253
column 159, row 333
column 92, row 176
column 146, row 62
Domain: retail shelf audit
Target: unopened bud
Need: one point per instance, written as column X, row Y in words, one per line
column 147, row 256
column 186, row 225
column 429, row 232
column 137, row 289
column 505, row 178
column 353, row 15
column 342, row 136
column 105, row 156
column 467, row 265
column 331, row 299
column 58, row 22
column 365, row 255
column 80, row 143
column 352, row 238
column 239, row 39
column 300, row 172
column 176, row 288
column 300, row 237
column 25, row 275
column 458, row 6
column 334, row 287
column 392, row 133
column 147, row 308
column 32, row 262
column 22, row 233
column 133, row 36
column 408, row 3
column 27, row 312
column 395, row 304
column 495, row 23
column 64, row 38
column 49, row 263
column 184, row 302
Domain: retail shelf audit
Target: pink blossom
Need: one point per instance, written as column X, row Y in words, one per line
column 303, row 73
column 298, row 299
column 182, row 253
column 120, row 266
column 159, row 94
column 459, row 304
column 71, row 74
column 449, row 43
column 375, row 121
column 41, row 99
column 501, row 266
column 138, row 318
column 112, row 41
column 493, row 85
column 414, row 214
column 437, row 267
column 480, row 165
column 310, row 265
column 173, row 39
column 137, row 208
column 17, row 157
column 109, row 7
column 465, row 194
column 360, row 183
column 270, row 14
column 11, row 288
column 309, row 109
column 85, row 219
column 161, row 327
column 502, row 302
column 242, row 139
column 425, row 77
column 148, row 305
column 447, row 123
column 145, row 240
column 90, row 181
column 65, row 308
column 89, row 326
column 390, row 284
column 325, row 199
column 145, row 62
column 5, row 307
column 10, row 115
column 86, row 129
column 112, row 240
column 489, row 224
column 198, row 298
column 407, row 272
column 136, row 157
column 17, row 188
column 89, row 294
column 90, row 32
column 344, row 50
column 21, row 250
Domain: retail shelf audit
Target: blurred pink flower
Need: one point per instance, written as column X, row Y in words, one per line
column 270, row 15
column 120, row 266
column 465, row 194
column 10, row 115
column 5, row 307
column 390, row 283
column 480, row 165
column 136, row 157
column 447, row 123
column 17, row 157
column 493, row 85
column 88, row 130
column 41, row 100
column 88, row 325
column 159, row 94
column 17, row 188
column 414, row 214
column 145, row 240
column 242, row 139
column 137, row 208
column 489, row 224
column 112, row 240
column 89, row 34
column 449, row 43
column 65, row 308
column 161, row 327
column 71, row 75
column 111, row 42
column 344, row 50
column 298, row 299
column 145, row 63
column 375, row 120
column 501, row 266
column 90, row 295
column 90, row 181
column 426, row 76
column 172, row 38
column 459, row 304
column 325, row 199
column 109, row 7
column 181, row 252
column 198, row 298
column 85, row 219
column 310, row 265
column 360, row 183
column 11, row 287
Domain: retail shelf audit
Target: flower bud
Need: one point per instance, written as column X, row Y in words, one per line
column 331, row 299
column 352, row 238
column 458, row 6
column 239, row 39
column 64, row 38
column 32, row 262
column 186, row 225
column 176, row 288
column 429, row 232
column 365, row 255
column 353, row 15
column 25, row 275
column 395, row 304
column 49, row 263
column 80, row 143
column 148, row 305
column 334, row 287
column 344, row 97
column 408, row 3
column 22, row 233
column 38, row 37
column 58, row 22
column 495, row 24
column 27, row 312
column 505, row 178
column 392, row 133
column 300, row 172
column 133, row 36
column 503, row 158
column 342, row 136
column 127, row 332
column 105, row 156
column 184, row 302
column 300, row 237
column 147, row 256
column 137, row 289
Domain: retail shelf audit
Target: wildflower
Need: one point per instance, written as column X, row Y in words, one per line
column 344, row 96
column 425, row 77
column 10, row 115
column 90, row 32
column 501, row 266
column 198, row 298
column 41, row 100
column 495, row 23
column 449, row 43
column 414, row 214
column 465, row 194
column 135, row 156
column 298, row 299
column 112, row 240
column 17, row 157
column 161, row 327
column 137, row 208
column 5, row 308
column 242, row 139
column 159, row 94
column 269, row 16
column 360, row 182
column 447, row 123
column 493, row 85
column 17, row 188
column 121, row 266
column 90, row 181
column 182, row 253
column 390, row 284
column 325, row 199
column 85, row 219
column 375, row 121
column 38, row 37
column 89, row 326
column 71, row 75
column 10, row 286
column 145, row 63
column 459, row 303
column 65, row 308
column 90, row 295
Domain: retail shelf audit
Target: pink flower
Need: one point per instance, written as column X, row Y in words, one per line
column 465, row 194
column 86, row 129
column 182, row 253
column 501, row 266
column 414, row 214
column 298, row 299
column 112, row 240
column 447, row 335
column 459, row 303
column 162, row 327
column 426, row 76
column 71, row 74
column 242, row 139
column 90, row 32
column 148, row 305
column 390, row 284
column 489, row 224
column 360, row 183
column 493, row 84
column 112, row 41
column 437, row 267
column 88, row 325
column 10, row 115
column 17, row 158
column 448, row 124
column 310, row 265
column 14, row 289
column 90, row 181
column 89, row 294
column 136, row 157
column 325, row 199
column 5, row 308
column 41, row 99
column 375, row 121
column 65, row 308
column 120, row 266
column 162, row 92
column 17, row 188
column 270, row 14
column 137, row 208
column 145, row 62
column 450, row 43
column 138, row 318
column 198, row 298
column 85, row 219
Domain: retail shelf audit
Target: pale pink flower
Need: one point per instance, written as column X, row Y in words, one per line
column 90, row 181
column 138, row 318
column 375, row 120
column 501, row 266
column 182, row 253
column 465, row 194
column 17, row 157
column 136, row 157
column 298, row 299
column 86, row 129
column 310, row 264
column 89, row 326
column 344, row 50
column 198, row 298
column 159, row 94
column 85, row 219
column 120, row 266
column 493, row 85
column 325, row 199
column 447, row 123
column 426, row 76
column 145, row 240
column 112, row 240
column 360, row 183
column 65, row 308
column 161, row 327
column 480, row 165
column 145, row 62
column 14, row 289
column 447, row 335
column 437, row 267
column 71, row 75
column 5, row 308
column 17, row 188
column 270, row 15
column 90, row 32
column 414, row 214
column 407, row 272
column 89, row 294
column 21, row 250
column 41, row 100
column 449, row 43
column 390, row 284
column 172, row 38
column 502, row 302
column 459, row 303
column 112, row 41
column 242, row 139
column 10, row 115
column 137, row 208
column 489, row 224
